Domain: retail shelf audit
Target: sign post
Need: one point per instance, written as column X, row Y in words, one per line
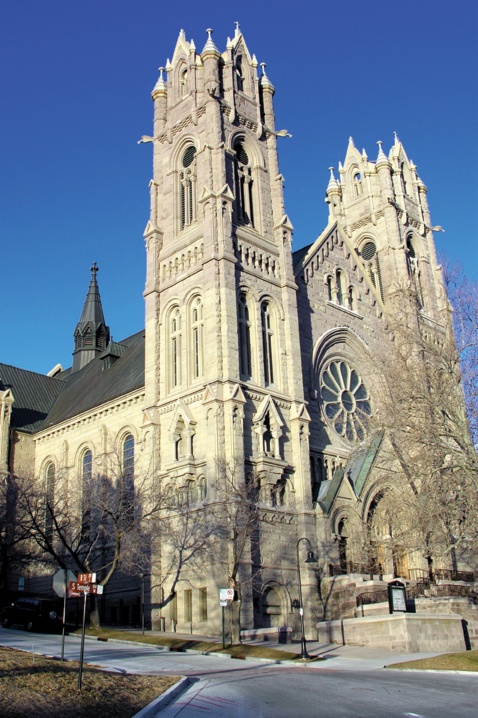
column 60, row 586
column 84, row 584
column 225, row 595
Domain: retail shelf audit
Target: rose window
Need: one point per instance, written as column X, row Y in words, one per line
column 345, row 400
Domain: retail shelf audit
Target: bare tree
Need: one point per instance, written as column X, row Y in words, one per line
column 463, row 295
column 13, row 553
column 427, row 426
column 237, row 519
column 97, row 525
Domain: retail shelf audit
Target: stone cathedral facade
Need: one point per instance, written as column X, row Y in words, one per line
column 253, row 356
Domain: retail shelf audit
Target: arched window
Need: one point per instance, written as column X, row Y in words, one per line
column 127, row 478
column 343, row 536
column 370, row 259
column 183, row 82
column 202, row 488
column 340, row 287
column 330, row 294
column 357, row 183
column 268, row 340
column 86, row 476
column 403, row 178
column 197, row 338
column 239, row 73
column 244, row 327
column 50, row 477
column 244, row 186
column 414, row 271
column 187, row 189
column 175, row 347
column 350, row 298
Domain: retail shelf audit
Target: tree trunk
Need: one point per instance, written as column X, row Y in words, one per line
column 235, row 622
column 95, row 621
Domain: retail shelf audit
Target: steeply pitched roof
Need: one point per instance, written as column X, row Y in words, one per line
column 95, row 384
column 34, row 395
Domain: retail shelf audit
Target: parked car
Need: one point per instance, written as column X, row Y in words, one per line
column 34, row 614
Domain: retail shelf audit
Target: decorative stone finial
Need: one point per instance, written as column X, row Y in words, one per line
column 160, row 87
column 381, row 157
column 264, row 80
column 238, row 29
column 210, row 47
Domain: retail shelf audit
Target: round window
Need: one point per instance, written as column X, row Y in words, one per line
column 346, row 401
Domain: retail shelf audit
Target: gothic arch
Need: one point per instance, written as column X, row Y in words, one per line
column 343, row 379
column 184, row 142
column 275, row 604
column 251, row 146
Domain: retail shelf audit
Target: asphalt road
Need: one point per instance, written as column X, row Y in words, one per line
column 239, row 689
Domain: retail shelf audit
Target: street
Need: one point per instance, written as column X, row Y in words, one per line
column 238, row 689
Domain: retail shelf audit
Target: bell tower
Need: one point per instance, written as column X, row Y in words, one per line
column 223, row 370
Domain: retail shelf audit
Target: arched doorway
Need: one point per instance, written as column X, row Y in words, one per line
column 273, row 607
column 386, row 551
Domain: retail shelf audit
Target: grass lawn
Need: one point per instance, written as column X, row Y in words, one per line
column 38, row 687
column 245, row 650
column 464, row 661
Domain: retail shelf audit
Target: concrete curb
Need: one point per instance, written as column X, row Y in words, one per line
column 161, row 701
column 446, row 671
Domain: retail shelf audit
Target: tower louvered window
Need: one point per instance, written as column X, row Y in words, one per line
column 187, row 190
column 244, row 327
column 197, row 338
column 267, row 342
column 244, row 187
column 370, row 258
column 175, row 347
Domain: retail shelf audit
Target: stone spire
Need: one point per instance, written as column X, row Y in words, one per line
column 91, row 333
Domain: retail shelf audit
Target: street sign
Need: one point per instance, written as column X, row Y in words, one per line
column 59, row 581
column 76, row 589
column 86, row 578
column 223, row 603
column 226, row 594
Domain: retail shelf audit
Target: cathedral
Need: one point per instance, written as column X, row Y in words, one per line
column 256, row 365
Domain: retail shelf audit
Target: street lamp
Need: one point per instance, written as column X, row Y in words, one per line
column 310, row 559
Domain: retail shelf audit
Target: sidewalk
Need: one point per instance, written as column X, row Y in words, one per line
column 337, row 657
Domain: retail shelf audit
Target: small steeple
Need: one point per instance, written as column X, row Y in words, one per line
column 264, row 81
column 210, row 48
column 91, row 333
column 160, row 87
column 381, row 157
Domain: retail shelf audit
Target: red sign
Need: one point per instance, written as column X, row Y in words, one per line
column 76, row 589
column 86, row 578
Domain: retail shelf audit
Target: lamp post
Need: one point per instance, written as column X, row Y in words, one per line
column 310, row 559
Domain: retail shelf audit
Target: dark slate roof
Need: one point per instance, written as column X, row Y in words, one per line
column 299, row 255
column 34, row 395
column 94, row 384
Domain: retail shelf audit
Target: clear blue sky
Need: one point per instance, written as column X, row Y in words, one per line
column 75, row 98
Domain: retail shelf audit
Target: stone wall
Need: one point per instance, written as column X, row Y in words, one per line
column 404, row 632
